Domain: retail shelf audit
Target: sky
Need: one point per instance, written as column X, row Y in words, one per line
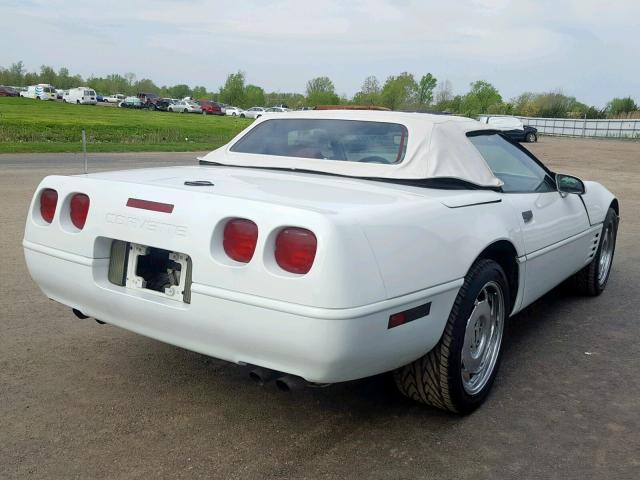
column 586, row 48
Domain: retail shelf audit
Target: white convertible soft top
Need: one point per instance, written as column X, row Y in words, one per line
column 437, row 147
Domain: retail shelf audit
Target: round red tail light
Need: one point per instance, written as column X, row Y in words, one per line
column 79, row 209
column 296, row 249
column 48, row 203
column 240, row 238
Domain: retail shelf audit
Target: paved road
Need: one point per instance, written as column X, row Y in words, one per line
column 79, row 400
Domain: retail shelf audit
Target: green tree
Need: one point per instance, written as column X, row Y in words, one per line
column 64, row 79
column 369, row 93
column 482, row 98
column 200, row 93
column 233, row 91
column 292, row 100
column 425, row 90
column 47, row 75
column 555, row 104
column 146, row 85
column 16, row 74
column 399, row 91
column 179, row 91
column 253, row 97
column 320, row 91
column 618, row 106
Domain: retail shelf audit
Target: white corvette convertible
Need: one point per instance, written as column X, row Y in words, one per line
column 329, row 246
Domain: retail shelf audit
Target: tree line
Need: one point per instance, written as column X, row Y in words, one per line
column 398, row 92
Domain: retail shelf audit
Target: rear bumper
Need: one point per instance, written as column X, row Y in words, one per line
column 320, row 345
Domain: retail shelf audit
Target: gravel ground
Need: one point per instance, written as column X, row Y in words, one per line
column 80, row 400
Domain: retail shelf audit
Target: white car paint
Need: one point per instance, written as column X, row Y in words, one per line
column 80, row 96
column 184, row 106
column 117, row 98
column 502, row 122
column 233, row 111
column 253, row 112
column 42, row 91
column 383, row 247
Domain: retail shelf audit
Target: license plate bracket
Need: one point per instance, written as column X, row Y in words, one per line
column 159, row 272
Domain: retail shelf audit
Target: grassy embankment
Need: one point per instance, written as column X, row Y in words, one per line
column 29, row 126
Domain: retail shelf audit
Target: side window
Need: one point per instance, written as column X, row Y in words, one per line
column 515, row 168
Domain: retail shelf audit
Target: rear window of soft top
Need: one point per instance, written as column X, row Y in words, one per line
column 327, row 139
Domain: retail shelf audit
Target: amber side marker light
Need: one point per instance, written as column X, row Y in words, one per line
column 406, row 316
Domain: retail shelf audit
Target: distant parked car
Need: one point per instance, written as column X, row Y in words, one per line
column 277, row 110
column 209, row 107
column 163, row 104
column 42, row 91
column 59, row 93
column 117, row 98
column 131, row 102
column 100, row 98
column 8, row 92
column 511, row 127
column 185, row 106
column 254, row 112
column 149, row 100
column 80, row 95
column 233, row 111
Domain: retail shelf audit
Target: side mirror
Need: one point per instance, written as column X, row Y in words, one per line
column 569, row 184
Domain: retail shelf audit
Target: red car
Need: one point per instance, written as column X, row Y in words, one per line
column 8, row 92
column 211, row 108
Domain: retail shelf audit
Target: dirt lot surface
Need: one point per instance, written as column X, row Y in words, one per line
column 80, row 400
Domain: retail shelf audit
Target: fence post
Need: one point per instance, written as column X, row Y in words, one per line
column 84, row 149
column 584, row 125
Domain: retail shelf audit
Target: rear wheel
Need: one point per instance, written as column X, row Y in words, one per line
column 592, row 279
column 459, row 372
column 531, row 137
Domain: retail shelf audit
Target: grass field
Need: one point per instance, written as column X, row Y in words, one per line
column 28, row 126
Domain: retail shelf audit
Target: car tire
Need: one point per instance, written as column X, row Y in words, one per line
column 242, row 115
column 592, row 279
column 185, row 111
column 152, row 107
column 440, row 378
column 531, row 137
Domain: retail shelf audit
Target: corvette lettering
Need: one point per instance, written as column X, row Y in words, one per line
column 139, row 223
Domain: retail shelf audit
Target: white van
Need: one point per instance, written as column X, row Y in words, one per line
column 80, row 95
column 42, row 91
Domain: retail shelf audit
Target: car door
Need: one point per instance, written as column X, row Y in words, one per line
column 555, row 227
